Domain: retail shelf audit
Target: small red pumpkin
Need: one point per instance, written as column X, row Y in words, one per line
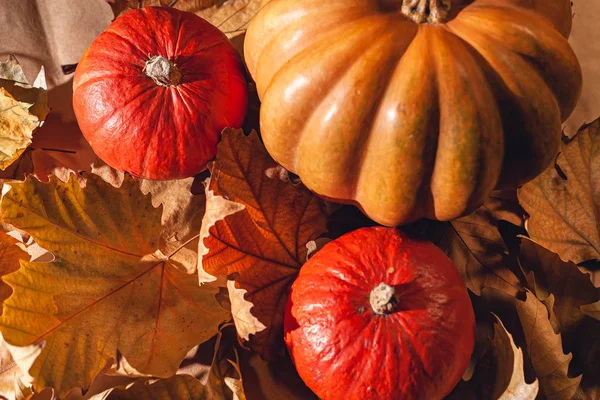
column 376, row 314
column 154, row 91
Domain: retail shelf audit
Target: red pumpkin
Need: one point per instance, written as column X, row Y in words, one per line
column 154, row 91
column 378, row 315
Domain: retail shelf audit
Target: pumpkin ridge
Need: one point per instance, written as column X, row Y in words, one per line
column 485, row 128
column 299, row 20
column 360, row 154
column 177, row 28
column 153, row 138
column 132, row 45
column 535, row 117
column 301, row 128
column 118, row 109
column 179, row 103
column 368, row 187
column 541, row 26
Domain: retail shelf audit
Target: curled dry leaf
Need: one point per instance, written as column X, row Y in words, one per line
column 15, row 382
column 571, row 289
column 246, row 324
column 16, row 128
column 564, row 201
column 109, row 288
column 475, row 244
column 544, row 350
column 22, row 108
column 510, row 378
column 263, row 244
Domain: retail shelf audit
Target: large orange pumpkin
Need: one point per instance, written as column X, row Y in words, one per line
column 414, row 108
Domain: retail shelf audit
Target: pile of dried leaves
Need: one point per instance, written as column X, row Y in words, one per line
column 115, row 287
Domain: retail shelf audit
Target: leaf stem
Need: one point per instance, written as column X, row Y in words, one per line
column 183, row 245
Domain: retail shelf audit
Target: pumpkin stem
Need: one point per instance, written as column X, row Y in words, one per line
column 162, row 71
column 422, row 11
column 383, row 299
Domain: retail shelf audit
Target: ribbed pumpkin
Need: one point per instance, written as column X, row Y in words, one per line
column 414, row 108
column 154, row 91
column 377, row 315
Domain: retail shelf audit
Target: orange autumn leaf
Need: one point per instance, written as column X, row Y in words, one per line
column 10, row 256
column 109, row 289
column 255, row 231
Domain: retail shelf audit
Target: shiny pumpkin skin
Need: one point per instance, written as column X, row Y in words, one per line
column 409, row 120
column 152, row 131
column 343, row 350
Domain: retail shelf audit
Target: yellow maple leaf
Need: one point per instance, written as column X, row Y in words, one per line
column 109, row 288
column 16, row 128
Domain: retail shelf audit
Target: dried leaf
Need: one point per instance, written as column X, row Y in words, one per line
column 545, row 351
column 246, row 324
column 273, row 380
column 10, row 256
column 230, row 16
column 15, row 382
column 585, row 41
column 16, row 128
column 476, row 247
column 13, row 80
column 264, row 243
column 181, row 219
column 591, row 310
column 564, row 201
column 570, row 288
column 9, row 372
column 510, row 378
column 223, row 382
column 109, row 288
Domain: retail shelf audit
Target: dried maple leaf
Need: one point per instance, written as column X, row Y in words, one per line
column 13, row 80
column 15, row 382
column 223, row 381
column 475, row 244
column 510, row 377
column 16, row 128
column 571, row 289
column 230, row 16
column 564, row 201
column 22, row 108
column 181, row 218
column 256, row 229
column 545, row 350
column 110, row 288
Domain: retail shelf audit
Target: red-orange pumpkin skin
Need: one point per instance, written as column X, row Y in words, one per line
column 342, row 349
column 149, row 130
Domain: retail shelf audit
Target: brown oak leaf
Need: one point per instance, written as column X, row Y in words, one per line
column 544, row 350
column 564, row 201
column 475, row 245
column 261, row 235
column 510, row 377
